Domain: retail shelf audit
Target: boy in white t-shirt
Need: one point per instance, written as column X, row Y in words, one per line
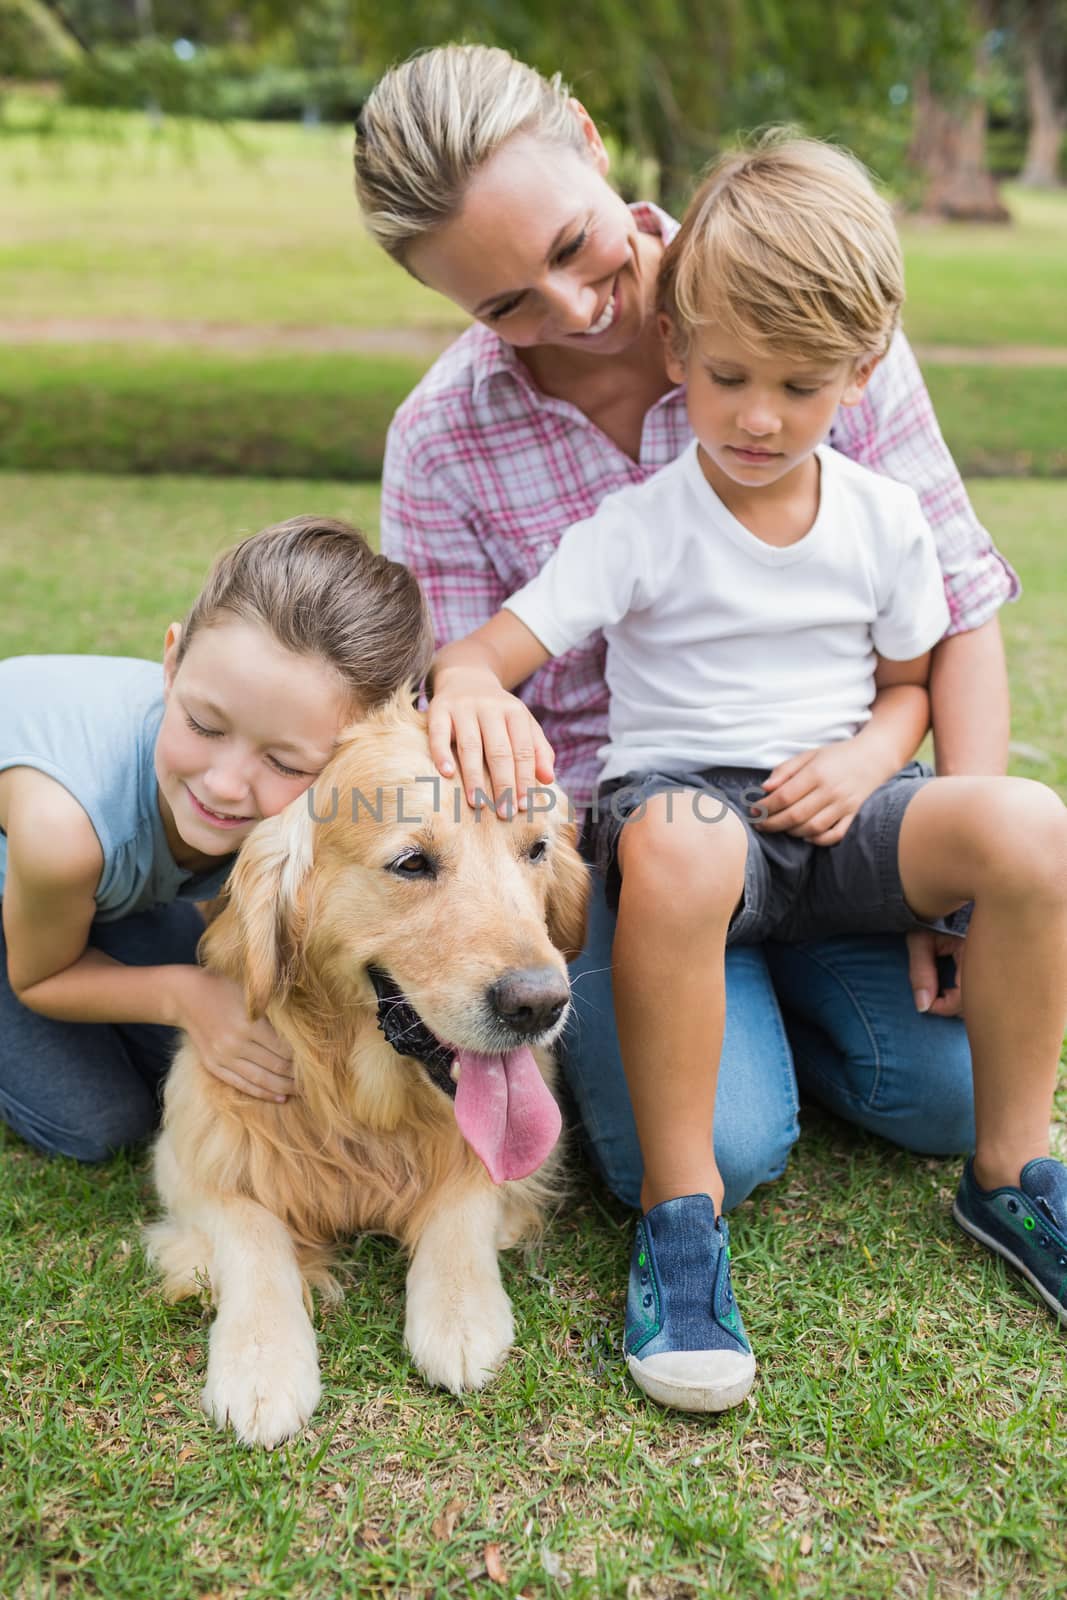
column 769, row 609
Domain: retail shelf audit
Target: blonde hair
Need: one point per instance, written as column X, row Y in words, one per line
column 320, row 590
column 433, row 121
column 787, row 245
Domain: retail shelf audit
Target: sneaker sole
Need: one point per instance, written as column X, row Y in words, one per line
column 1020, row 1266
column 680, row 1396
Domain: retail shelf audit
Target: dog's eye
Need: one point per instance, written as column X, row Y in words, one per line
column 415, row 864
column 538, row 850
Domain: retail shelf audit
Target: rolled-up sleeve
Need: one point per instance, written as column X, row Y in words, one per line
column 894, row 431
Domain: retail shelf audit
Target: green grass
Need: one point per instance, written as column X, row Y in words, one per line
column 95, row 564
column 253, row 224
column 111, row 218
column 990, row 285
column 140, row 408
column 905, row 1436
column 1002, row 421
column 256, row 224
column 143, row 409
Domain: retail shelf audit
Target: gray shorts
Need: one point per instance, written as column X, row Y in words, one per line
column 794, row 890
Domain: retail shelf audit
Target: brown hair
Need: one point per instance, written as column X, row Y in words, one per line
column 433, row 121
column 320, row 590
column 787, row 244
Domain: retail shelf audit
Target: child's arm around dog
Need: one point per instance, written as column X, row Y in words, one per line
column 54, row 862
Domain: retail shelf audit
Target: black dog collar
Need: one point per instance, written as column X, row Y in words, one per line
column 405, row 1030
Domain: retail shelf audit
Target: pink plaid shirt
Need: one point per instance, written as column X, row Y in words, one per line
column 483, row 473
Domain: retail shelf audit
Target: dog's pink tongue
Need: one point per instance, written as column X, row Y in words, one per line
column 505, row 1112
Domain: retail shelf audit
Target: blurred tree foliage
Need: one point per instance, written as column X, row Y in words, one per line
column 34, row 43
column 670, row 80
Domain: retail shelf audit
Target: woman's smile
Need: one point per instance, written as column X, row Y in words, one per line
column 573, row 269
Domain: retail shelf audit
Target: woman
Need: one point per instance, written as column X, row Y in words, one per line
column 488, row 183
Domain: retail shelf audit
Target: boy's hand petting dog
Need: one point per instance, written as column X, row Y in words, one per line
column 492, row 731
column 248, row 1055
column 816, row 794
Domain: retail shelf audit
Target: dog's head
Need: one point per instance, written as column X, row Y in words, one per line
column 382, row 889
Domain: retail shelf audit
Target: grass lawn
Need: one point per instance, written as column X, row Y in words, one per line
column 252, row 223
column 990, row 285
column 141, row 408
column 905, row 1436
column 257, row 224
column 138, row 408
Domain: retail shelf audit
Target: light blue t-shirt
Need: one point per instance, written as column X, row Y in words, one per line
column 90, row 722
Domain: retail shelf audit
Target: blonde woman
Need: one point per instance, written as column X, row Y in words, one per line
column 489, row 184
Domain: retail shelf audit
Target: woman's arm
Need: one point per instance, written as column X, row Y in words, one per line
column 970, row 704
column 971, row 716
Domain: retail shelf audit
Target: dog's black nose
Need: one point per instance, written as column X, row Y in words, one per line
column 531, row 999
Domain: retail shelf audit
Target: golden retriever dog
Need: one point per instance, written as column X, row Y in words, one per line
column 412, row 952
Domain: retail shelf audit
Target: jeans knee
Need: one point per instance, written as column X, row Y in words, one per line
column 942, row 1129
column 760, row 1157
column 91, row 1150
column 95, row 1141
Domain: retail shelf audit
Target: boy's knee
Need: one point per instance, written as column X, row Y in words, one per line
column 682, row 856
column 1021, row 836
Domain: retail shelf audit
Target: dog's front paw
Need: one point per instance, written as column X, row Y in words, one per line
column 457, row 1340
column 263, row 1381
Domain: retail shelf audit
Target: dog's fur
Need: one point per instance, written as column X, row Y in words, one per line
column 255, row 1192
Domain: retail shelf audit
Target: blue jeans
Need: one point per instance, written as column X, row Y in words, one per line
column 835, row 1017
column 85, row 1089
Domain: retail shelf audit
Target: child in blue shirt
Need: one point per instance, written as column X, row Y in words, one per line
column 769, row 610
column 125, row 790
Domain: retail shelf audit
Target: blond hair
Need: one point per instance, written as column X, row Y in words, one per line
column 433, row 121
column 787, row 245
column 320, row 590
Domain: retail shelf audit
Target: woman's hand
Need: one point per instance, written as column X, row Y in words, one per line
column 925, row 948
column 816, row 794
column 248, row 1055
column 491, row 729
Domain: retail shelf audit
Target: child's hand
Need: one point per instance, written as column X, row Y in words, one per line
column 815, row 795
column 248, row 1055
column 492, row 729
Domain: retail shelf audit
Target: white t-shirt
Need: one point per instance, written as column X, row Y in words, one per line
column 724, row 651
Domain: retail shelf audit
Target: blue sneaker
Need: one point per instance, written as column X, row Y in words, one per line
column 685, row 1343
column 1027, row 1225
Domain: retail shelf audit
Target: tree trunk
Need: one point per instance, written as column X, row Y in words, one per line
column 949, row 146
column 1046, row 96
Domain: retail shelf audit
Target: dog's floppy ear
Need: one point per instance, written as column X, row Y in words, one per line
column 568, row 894
column 267, row 903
